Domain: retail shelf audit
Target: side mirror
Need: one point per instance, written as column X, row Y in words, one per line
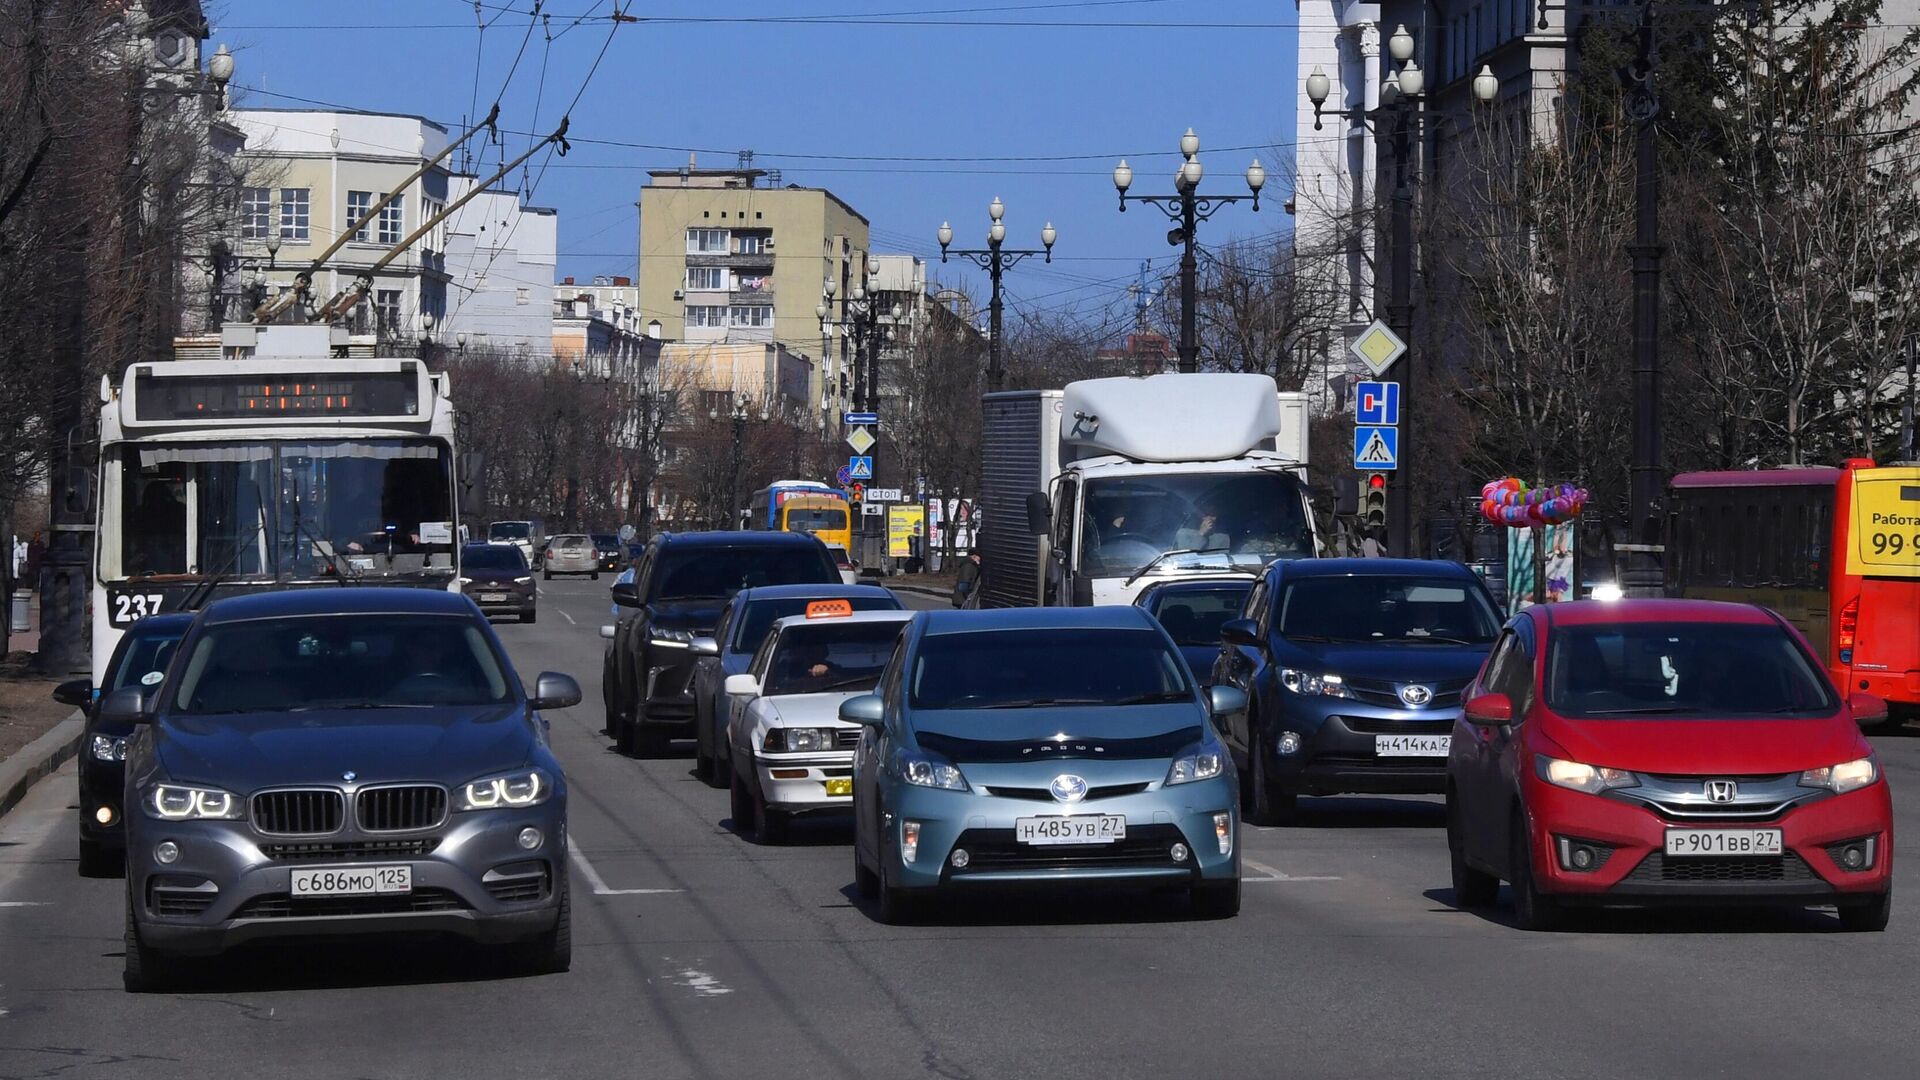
column 1226, row 700
column 626, row 594
column 1039, row 514
column 1490, row 710
column 867, row 710
column 553, row 690
column 75, row 692
column 742, row 686
column 1346, row 495
column 1869, row 710
column 607, row 632
column 127, row 706
column 1240, row 632
column 704, row 646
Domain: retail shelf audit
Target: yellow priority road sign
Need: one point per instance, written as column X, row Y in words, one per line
column 1885, row 530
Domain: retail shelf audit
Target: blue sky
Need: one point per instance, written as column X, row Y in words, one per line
column 867, row 98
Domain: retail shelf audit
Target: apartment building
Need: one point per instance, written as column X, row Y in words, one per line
column 317, row 173
column 730, row 256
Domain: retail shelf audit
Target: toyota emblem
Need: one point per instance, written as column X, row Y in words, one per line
column 1068, row 788
column 1416, row 695
column 1722, row 790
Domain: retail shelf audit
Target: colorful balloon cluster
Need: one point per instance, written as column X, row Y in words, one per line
column 1512, row 502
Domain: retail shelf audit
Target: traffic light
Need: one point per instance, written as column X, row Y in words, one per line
column 859, row 492
column 1373, row 505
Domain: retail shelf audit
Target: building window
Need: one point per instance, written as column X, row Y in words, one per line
column 386, row 309
column 358, row 203
column 753, row 244
column 436, row 239
column 256, row 210
column 706, row 241
column 522, row 295
column 706, row 277
column 296, row 216
column 755, row 315
column 705, row 315
column 391, row 218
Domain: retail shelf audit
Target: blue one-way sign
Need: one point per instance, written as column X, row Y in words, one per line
column 1376, row 449
column 1376, row 403
column 855, row 419
column 860, row 468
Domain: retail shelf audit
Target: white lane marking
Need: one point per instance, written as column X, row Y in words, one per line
column 1275, row 875
column 26, row 903
column 569, row 618
column 700, row 982
column 600, row 886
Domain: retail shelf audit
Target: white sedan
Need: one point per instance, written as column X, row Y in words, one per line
column 792, row 753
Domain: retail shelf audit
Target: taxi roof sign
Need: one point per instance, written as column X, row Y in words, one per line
column 829, row 609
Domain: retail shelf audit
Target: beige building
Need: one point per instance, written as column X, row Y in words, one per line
column 727, row 258
column 765, row 373
column 325, row 170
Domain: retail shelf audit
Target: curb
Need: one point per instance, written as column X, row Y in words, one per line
column 40, row 758
column 924, row 590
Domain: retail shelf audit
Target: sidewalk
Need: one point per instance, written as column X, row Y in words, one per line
column 940, row 585
column 37, row 734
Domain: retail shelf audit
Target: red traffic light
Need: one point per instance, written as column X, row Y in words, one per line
column 1376, row 481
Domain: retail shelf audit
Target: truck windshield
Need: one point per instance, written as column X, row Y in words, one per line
column 510, row 530
column 363, row 508
column 1228, row 519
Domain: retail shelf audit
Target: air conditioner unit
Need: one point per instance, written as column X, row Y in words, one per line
column 679, row 294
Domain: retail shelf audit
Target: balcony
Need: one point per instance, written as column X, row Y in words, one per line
column 763, row 260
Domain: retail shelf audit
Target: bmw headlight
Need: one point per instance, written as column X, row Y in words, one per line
column 1575, row 776
column 179, row 802
column 1203, row 761
column 109, row 748
column 925, row 770
column 1842, row 778
column 528, row 787
column 1314, row 682
column 798, row 740
column 669, row 639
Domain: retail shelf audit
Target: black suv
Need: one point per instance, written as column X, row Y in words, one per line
column 679, row 584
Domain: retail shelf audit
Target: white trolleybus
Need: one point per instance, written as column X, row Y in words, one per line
column 271, row 472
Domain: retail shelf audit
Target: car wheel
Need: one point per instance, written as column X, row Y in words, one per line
column 742, row 807
column 769, row 823
column 1870, row 917
column 1532, row 909
column 546, row 575
column 144, row 971
column 1216, row 900
column 1270, row 805
column 1471, row 887
column 97, row 860
column 898, row 907
column 624, row 735
column 649, row 741
column 552, row 952
column 596, row 575
column 702, row 758
column 722, row 769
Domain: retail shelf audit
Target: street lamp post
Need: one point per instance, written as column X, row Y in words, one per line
column 860, row 320
column 1188, row 208
column 996, row 259
column 740, row 414
column 1643, row 105
column 1402, row 101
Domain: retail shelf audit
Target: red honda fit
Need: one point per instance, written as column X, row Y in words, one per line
column 1653, row 751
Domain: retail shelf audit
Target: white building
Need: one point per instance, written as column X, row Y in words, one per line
column 500, row 260
column 320, row 172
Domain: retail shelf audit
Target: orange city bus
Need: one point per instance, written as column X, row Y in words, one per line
column 825, row 516
column 1835, row 551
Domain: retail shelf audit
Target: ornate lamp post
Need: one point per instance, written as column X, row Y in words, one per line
column 996, row 259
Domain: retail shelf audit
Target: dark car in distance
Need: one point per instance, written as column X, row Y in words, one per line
column 1353, row 669
column 1192, row 611
column 611, row 551
column 139, row 660
column 341, row 762
column 675, row 595
column 497, row 578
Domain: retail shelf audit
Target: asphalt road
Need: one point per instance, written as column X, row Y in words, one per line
column 697, row 954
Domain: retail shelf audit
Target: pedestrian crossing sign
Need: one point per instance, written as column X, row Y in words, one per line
column 860, row 468
column 1376, row 449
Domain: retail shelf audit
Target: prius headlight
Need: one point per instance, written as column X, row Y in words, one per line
column 179, row 802
column 1575, row 776
column 1314, row 682
column 1202, row 761
column 1840, row 779
column 528, row 787
column 927, row 770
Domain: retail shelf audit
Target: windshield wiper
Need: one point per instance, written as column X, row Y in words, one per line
column 1436, row 639
column 1037, row 703
column 1155, row 561
column 1322, row 639
column 863, row 680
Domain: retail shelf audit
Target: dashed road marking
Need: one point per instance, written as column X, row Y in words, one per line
column 1272, row 874
column 599, row 884
column 26, row 903
column 569, row 618
column 699, row 982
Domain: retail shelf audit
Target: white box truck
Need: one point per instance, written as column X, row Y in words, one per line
column 1091, row 493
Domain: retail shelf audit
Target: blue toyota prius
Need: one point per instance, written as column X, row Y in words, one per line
column 1045, row 747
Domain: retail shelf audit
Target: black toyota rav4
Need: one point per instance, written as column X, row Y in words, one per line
column 673, row 595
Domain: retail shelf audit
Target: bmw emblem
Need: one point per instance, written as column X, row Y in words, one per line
column 1416, row 695
column 1068, row 788
column 349, row 776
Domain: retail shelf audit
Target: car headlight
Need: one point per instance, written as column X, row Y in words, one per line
column 466, row 581
column 109, row 748
column 1314, row 682
column 178, row 802
column 1575, row 776
column 523, row 581
column 798, row 740
column 925, row 770
column 669, row 639
column 1198, row 762
column 1842, row 778
column 528, row 787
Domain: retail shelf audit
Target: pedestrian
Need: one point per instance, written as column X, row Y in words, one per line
column 967, row 579
column 35, row 554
